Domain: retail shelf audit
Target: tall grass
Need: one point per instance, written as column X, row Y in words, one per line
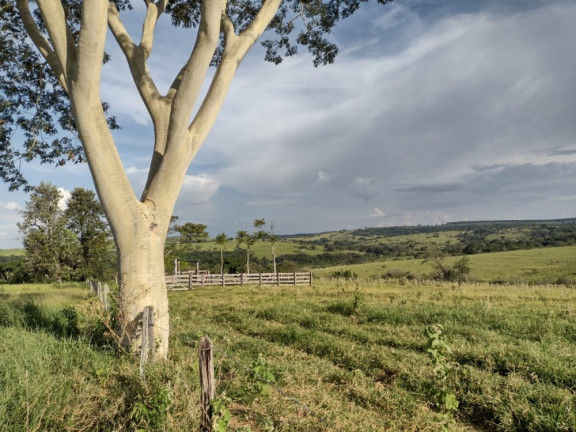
column 344, row 355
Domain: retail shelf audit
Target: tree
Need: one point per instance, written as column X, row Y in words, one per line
column 192, row 232
column 243, row 237
column 59, row 91
column 221, row 240
column 273, row 239
column 457, row 272
column 51, row 249
column 85, row 218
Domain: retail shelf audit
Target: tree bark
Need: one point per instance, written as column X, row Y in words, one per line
column 142, row 283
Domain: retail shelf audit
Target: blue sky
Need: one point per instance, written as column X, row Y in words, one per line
column 435, row 111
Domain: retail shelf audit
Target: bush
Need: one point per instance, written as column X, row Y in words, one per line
column 344, row 274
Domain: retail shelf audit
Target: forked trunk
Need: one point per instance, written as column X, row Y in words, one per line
column 142, row 283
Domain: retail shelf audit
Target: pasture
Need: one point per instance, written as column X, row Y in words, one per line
column 546, row 265
column 337, row 356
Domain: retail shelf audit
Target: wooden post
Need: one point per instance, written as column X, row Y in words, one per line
column 310, row 273
column 105, row 292
column 223, row 279
column 241, row 278
column 190, row 281
column 206, row 368
column 147, row 345
column 294, row 278
column 278, row 279
column 175, row 266
column 203, row 280
column 260, row 276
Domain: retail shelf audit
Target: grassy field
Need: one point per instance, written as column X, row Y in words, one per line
column 535, row 266
column 338, row 356
column 10, row 252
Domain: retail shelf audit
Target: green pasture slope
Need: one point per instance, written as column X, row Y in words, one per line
column 11, row 252
column 546, row 265
column 338, row 356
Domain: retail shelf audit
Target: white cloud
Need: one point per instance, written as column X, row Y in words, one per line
column 198, row 189
column 377, row 213
column 11, row 206
column 63, row 202
column 323, row 178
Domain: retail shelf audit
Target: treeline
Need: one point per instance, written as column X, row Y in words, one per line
column 235, row 261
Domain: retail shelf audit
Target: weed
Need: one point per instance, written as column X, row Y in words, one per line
column 221, row 416
column 444, row 399
column 261, row 376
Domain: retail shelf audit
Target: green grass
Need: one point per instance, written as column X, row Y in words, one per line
column 52, row 296
column 346, row 356
column 535, row 266
column 10, row 252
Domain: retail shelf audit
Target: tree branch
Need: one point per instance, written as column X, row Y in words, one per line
column 154, row 10
column 55, row 20
column 136, row 57
column 41, row 43
column 235, row 49
column 189, row 81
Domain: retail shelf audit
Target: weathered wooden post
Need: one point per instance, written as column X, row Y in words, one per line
column 147, row 345
column 206, row 368
column 294, row 278
column 278, row 279
column 105, row 292
column 310, row 274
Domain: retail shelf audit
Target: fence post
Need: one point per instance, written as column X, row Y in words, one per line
column 190, row 281
column 310, row 273
column 223, row 283
column 294, row 278
column 206, row 368
column 241, row 279
column 147, row 345
column 277, row 279
column 105, row 291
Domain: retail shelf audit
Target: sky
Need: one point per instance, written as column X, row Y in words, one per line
column 434, row 111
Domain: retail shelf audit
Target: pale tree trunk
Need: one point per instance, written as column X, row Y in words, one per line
column 139, row 226
column 142, row 283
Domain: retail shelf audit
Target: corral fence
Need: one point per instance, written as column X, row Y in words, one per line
column 188, row 281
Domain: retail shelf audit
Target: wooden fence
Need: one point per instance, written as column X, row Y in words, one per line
column 187, row 281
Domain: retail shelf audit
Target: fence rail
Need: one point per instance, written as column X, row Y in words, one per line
column 187, row 281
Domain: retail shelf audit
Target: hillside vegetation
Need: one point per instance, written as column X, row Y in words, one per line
column 367, row 245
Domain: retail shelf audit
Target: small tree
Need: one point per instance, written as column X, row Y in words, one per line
column 85, row 218
column 243, row 237
column 221, row 240
column 192, row 232
column 457, row 272
column 273, row 239
column 51, row 248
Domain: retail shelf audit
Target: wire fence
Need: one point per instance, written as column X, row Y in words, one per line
column 223, row 355
column 148, row 328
